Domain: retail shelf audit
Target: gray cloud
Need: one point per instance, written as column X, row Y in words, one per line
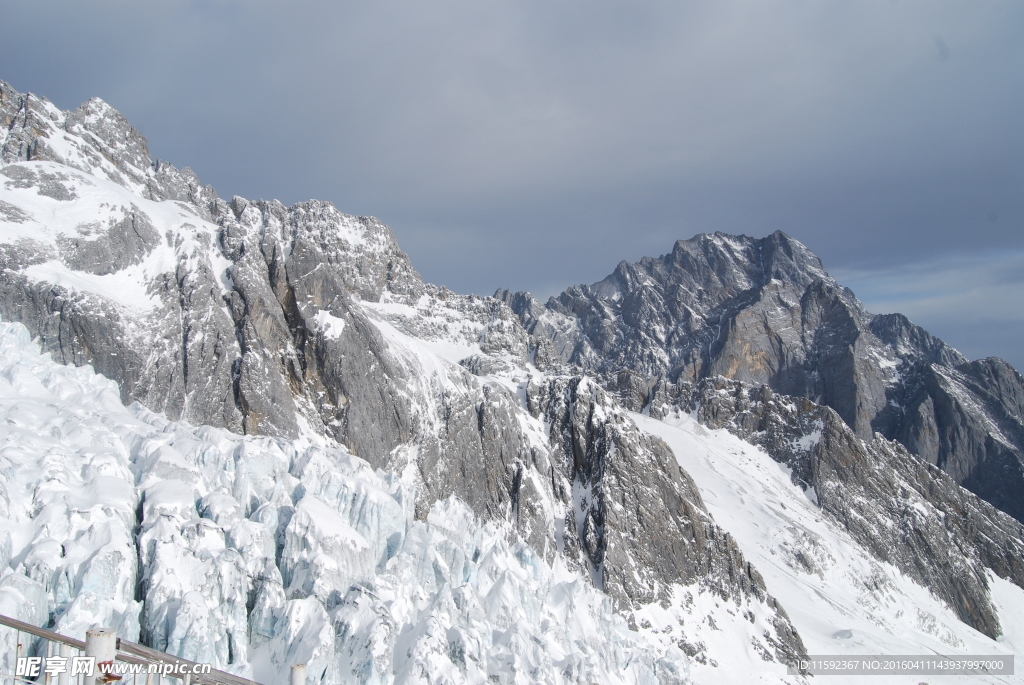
column 972, row 301
column 535, row 144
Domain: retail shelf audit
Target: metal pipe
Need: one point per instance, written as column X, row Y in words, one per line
column 65, row 677
column 101, row 644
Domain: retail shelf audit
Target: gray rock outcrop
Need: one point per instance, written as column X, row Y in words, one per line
column 635, row 520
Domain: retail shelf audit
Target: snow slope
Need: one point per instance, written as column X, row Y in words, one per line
column 59, row 205
column 841, row 600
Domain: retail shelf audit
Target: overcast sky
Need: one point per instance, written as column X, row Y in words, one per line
column 532, row 145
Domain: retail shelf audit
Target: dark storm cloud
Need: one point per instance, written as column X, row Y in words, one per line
column 534, row 144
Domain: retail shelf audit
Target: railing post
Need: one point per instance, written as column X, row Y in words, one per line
column 101, row 644
column 65, row 677
column 298, row 674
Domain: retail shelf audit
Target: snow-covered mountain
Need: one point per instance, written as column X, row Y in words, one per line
column 325, row 459
column 765, row 312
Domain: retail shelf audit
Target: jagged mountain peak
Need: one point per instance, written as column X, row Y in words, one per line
column 777, row 255
column 97, row 140
column 910, row 340
column 664, row 315
column 717, row 263
column 112, row 130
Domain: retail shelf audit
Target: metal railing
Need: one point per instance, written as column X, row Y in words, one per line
column 104, row 646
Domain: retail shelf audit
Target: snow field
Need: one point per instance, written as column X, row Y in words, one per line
column 841, row 600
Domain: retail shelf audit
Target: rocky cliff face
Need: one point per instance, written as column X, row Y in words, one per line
column 967, row 420
column 636, row 521
column 764, row 311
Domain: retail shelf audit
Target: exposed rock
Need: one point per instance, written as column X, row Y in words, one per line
column 635, row 520
column 969, row 421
